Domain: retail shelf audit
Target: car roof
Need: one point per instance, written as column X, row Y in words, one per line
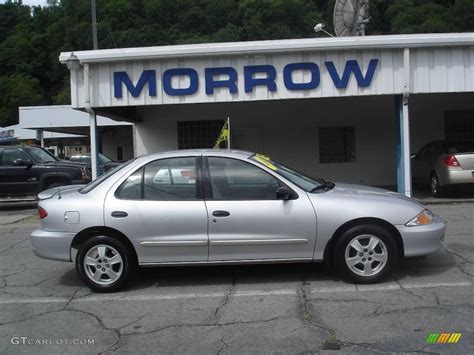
column 196, row 152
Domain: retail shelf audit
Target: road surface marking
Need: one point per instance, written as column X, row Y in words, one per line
column 256, row 293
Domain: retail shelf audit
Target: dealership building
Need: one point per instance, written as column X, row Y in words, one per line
column 347, row 109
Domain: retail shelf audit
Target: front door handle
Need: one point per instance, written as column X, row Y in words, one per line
column 119, row 214
column 221, row 214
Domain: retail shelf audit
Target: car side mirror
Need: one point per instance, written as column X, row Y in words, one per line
column 21, row 162
column 282, row 193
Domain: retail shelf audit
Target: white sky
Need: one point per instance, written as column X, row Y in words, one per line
column 30, row 2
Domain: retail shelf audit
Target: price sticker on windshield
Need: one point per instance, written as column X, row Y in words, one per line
column 263, row 159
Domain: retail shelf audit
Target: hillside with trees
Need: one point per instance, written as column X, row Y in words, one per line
column 31, row 38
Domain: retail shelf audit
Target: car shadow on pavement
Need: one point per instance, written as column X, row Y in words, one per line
column 217, row 275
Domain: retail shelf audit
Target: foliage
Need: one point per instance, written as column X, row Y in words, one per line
column 31, row 38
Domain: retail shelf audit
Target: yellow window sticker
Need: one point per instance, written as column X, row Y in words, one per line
column 264, row 160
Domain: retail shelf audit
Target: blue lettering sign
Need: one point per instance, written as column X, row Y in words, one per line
column 352, row 67
column 229, row 83
column 251, row 82
column 148, row 76
column 193, row 81
column 312, row 84
column 254, row 75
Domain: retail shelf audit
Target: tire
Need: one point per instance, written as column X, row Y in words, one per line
column 369, row 264
column 436, row 189
column 111, row 276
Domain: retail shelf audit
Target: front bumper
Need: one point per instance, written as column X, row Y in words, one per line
column 52, row 245
column 423, row 240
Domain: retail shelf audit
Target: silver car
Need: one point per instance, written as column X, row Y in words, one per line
column 194, row 207
column 443, row 165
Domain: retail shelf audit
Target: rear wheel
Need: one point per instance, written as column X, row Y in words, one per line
column 436, row 189
column 105, row 264
column 365, row 254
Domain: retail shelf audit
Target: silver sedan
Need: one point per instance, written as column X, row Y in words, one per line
column 194, row 207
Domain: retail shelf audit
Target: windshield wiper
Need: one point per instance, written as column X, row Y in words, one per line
column 325, row 186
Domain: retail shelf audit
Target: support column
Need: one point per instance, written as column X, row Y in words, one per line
column 403, row 146
column 93, row 142
column 92, row 124
column 40, row 136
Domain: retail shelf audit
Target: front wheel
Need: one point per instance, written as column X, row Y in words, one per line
column 105, row 264
column 365, row 254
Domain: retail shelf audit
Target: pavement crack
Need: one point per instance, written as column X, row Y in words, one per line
column 224, row 345
column 225, row 301
column 307, row 313
column 410, row 292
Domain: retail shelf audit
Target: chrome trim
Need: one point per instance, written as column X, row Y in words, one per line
column 174, row 243
column 258, row 241
column 222, row 262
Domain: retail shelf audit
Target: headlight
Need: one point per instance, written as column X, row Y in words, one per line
column 425, row 217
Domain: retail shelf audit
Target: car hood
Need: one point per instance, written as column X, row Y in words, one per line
column 63, row 190
column 367, row 191
column 65, row 163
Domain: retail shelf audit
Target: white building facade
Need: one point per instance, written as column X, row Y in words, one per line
column 347, row 109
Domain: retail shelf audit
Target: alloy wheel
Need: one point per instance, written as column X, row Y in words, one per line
column 103, row 264
column 366, row 255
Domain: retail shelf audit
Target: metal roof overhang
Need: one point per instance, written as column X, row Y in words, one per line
column 274, row 46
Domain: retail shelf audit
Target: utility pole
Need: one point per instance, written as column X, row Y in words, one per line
column 94, row 25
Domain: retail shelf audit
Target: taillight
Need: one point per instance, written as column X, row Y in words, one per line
column 42, row 212
column 451, row 160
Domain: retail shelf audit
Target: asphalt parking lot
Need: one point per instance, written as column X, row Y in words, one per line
column 292, row 308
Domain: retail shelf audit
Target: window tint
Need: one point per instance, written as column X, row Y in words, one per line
column 131, row 189
column 170, row 179
column 10, row 155
column 233, row 179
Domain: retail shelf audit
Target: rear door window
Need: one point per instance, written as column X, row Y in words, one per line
column 171, row 179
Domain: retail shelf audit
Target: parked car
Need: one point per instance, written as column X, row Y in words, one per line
column 444, row 164
column 234, row 207
column 105, row 163
column 25, row 171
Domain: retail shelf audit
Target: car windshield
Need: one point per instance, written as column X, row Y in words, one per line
column 306, row 183
column 94, row 183
column 41, row 156
column 459, row 147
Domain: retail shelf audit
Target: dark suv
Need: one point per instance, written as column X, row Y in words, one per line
column 25, row 171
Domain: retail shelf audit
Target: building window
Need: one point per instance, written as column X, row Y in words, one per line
column 198, row 134
column 459, row 125
column 337, row 145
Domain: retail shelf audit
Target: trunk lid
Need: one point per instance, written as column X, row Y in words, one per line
column 466, row 160
column 63, row 190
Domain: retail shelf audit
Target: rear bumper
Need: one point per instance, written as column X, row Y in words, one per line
column 423, row 240
column 52, row 245
column 451, row 176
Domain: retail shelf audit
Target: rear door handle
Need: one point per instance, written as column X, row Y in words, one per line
column 119, row 214
column 221, row 214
